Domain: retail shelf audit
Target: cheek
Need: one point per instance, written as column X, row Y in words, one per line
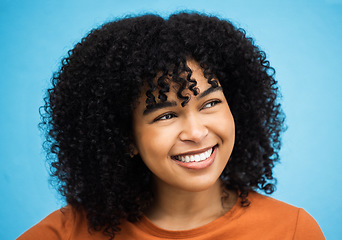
column 154, row 143
column 230, row 127
column 224, row 125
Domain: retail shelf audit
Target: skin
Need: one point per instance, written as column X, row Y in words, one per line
column 186, row 197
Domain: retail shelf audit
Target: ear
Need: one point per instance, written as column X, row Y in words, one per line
column 133, row 150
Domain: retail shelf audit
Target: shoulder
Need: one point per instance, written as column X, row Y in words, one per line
column 279, row 216
column 270, row 205
column 57, row 225
column 307, row 227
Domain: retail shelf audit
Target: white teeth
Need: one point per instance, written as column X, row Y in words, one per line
column 195, row 157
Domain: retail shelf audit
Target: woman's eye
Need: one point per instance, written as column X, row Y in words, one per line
column 165, row 117
column 211, row 104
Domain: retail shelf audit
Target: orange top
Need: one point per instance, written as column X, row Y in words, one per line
column 265, row 218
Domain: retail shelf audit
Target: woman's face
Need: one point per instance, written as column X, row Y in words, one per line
column 187, row 147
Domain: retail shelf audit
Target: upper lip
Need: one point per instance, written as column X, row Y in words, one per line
column 195, row 151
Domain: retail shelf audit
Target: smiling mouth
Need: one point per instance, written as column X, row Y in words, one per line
column 198, row 157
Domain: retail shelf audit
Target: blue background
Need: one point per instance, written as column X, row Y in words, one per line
column 302, row 40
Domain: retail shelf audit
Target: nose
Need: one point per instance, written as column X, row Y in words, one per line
column 193, row 129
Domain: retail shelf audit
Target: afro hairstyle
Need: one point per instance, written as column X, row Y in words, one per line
column 87, row 116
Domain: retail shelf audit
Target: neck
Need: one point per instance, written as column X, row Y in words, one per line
column 176, row 209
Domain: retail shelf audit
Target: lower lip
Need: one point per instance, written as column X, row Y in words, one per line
column 199, row 165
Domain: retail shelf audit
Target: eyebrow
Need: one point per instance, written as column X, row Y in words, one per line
column 158, row 106
column 208, row 91
column 165, row 104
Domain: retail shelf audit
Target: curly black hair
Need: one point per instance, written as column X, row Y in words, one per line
column 87, row 114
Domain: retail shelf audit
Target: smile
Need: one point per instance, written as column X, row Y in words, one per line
column 198, row 160
column 194, row 157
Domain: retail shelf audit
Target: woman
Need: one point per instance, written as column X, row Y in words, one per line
column 165, row 128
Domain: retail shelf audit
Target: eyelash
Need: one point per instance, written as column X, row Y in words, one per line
column 214, row 102
column 165, row 115
column 160, row 118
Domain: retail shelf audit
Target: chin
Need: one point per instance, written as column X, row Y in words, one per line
column 200, row 185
